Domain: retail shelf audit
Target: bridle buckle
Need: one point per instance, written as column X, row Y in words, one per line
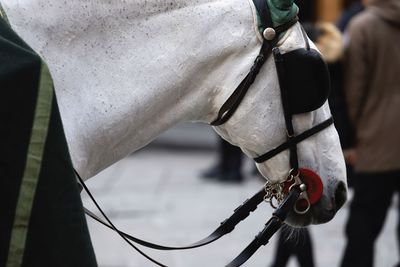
column 302, row 205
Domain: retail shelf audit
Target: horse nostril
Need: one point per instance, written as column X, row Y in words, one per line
column 340, row 195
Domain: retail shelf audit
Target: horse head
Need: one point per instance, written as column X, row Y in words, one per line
column 125, row 72
column 260, row 123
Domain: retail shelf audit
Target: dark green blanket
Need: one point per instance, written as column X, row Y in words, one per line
column 41, row 217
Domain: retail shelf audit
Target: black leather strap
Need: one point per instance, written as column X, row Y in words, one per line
column 232, row 103
column 240, row 213
column 234, row 100
column 295, row 140
column 286, row 108
column 263, row 13
column 111, row 225
column 273, row 225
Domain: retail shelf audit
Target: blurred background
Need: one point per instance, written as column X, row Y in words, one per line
column 177, row 189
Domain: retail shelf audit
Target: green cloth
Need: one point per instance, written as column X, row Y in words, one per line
column 3, row 14
column 33, row 166
column 42, row 222
column 281, row 12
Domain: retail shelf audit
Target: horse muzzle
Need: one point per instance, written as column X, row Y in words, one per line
column 317, row 204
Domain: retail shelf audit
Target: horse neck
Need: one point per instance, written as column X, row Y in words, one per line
column 125, row 73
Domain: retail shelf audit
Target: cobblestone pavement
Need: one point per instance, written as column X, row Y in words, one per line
column 158, row 195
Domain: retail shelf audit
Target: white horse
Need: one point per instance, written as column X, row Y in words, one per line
column 125, row 71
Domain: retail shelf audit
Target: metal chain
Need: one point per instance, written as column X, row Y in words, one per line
column 274, row 194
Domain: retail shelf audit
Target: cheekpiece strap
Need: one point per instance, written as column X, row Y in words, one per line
column 270, row 39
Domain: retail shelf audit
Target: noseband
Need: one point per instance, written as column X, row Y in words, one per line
column 295, row 188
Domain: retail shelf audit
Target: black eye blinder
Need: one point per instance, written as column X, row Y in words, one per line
column 304, row 77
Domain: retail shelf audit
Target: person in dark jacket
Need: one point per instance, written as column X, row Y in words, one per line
column 372, row 86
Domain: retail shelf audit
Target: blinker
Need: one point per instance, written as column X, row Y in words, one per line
column 304, row 77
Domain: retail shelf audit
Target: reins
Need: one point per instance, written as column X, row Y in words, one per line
column 227, row 226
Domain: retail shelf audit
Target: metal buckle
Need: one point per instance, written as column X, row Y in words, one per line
column 303, row 196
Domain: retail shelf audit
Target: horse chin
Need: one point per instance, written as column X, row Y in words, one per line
column 314, row 216
column 321, row 212
column 296, row 220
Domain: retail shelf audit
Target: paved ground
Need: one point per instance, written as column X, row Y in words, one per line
column 157, row 194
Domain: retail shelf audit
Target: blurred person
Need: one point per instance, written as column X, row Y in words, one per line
column 337, row 98
column 346, row 16
column 229, row 164
column 372, row 86
column 328, row 40
column 299, row 245
column 307, row 10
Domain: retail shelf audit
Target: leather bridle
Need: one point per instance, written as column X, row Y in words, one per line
column 271, row 38
column 297, row 187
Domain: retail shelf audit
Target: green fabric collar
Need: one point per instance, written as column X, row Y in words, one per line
column 280, row 13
